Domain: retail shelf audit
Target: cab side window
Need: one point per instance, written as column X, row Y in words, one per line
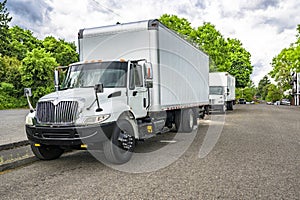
column 136, row 77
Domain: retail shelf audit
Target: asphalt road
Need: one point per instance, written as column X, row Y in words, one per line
column 12, row 125
column 255, row 156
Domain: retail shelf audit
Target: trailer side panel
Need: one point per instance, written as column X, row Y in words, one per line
column 183, row 71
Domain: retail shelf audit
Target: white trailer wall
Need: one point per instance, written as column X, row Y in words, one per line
column 231, row 87
column 183, row 71
column 128, row 41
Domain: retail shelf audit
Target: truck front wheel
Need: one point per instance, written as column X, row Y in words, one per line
column 119, row 148
column 46, row 152
column 230, row 105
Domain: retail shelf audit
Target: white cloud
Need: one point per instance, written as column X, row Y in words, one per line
column 263, row 26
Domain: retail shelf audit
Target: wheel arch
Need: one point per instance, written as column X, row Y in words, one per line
column 129, row 115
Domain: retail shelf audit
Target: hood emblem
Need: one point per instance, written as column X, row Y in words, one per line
column 55, row 102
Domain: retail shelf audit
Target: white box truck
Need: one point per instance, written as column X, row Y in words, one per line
column 221, row 91
column 133, row 81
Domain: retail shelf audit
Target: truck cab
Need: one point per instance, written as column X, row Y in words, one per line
column 221, row 91
column 217, row 98
column 87, row 107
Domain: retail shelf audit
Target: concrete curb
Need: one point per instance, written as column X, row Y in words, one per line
column 14, row 145
column 15, row 154
column 18, row 163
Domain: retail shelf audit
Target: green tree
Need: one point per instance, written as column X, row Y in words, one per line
column 240, row 64
column 11, row 89
column 21, row 42
column 247, row 93
column 7, row 97
column 225, row 55
column 64, row 52
column 274, row 93
column 262, row 89
column 10, row 73
column 287, row 61
column 4, row 35
column 213, row 43
column 179, row 25
column 37, row 72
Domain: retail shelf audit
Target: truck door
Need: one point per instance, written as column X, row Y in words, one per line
column 137, row 91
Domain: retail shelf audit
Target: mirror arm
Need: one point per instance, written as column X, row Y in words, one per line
column 98, row 104
column 31, row 109
column 148, row 91
column 27, row 93
column 98, row 89
column 56, row 79
column 88, row 108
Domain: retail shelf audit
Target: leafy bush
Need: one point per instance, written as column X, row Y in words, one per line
column 8, row 98
column 37, row 72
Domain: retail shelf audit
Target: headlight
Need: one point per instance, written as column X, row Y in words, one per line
column 29, row 119
column 94, row 119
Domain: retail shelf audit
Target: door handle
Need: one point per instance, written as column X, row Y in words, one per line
column 134, row 93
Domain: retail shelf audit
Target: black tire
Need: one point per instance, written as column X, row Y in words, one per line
column 178, row 121
column 196, row 116
column 230, row 105
column 188, row 119
column 114, row 150
column 46, row 152
column 223, row 108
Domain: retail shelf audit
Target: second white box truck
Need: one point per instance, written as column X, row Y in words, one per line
column 133, row 81
column 221, row 91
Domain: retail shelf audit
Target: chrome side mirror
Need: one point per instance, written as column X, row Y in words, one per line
column 148, row 75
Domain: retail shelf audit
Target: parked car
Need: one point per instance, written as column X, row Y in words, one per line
column 242, row 101
column 285, row 102
column 270, row 103
column 277, row 103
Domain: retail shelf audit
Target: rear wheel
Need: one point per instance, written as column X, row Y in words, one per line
column 178, row 121
column 119, row 148
column 188, row 119
column 46, row 152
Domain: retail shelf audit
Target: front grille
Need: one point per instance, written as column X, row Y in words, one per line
column 63, row 112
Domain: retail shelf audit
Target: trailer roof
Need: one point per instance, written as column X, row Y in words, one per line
column 118, row 27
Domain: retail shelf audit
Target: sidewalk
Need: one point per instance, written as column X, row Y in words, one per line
column 12, row 126
column 14, row 148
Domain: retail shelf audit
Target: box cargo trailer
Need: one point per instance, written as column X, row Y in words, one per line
column 133, row 81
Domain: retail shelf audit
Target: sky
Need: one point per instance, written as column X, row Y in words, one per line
column 264, row 27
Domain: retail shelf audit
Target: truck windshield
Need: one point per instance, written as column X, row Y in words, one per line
column 216, row 90
column 111, row 74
